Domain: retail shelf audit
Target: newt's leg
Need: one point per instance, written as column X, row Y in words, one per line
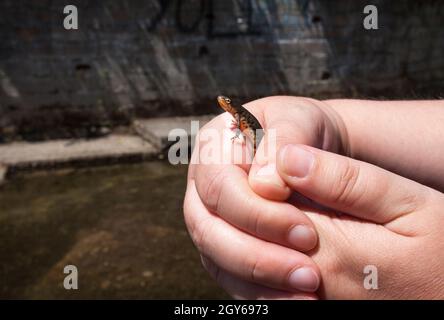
column 234, row 124
column 236, row 136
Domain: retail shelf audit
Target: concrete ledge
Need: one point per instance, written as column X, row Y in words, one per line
column 115, row 148
column 61, row 153
column 156, row 130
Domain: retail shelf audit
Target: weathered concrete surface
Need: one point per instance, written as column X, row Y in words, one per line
column 151, row 142
column 156, row 130
column 171, row 58
column 24, row 155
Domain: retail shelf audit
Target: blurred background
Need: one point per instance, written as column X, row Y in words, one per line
column 85, row 114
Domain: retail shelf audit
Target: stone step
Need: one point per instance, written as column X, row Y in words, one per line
column 156, row 130
column 56, row 153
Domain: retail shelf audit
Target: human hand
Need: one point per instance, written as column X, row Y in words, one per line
column 390, row 223
column 248, row 237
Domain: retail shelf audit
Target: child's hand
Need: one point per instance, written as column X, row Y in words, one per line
column 292, row 120
column 391, row 227
column 247, row 236
column 389, row 222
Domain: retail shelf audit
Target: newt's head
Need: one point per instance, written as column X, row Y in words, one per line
column 225, row 103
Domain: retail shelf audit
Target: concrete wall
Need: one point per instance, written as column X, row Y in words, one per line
column 164, row 58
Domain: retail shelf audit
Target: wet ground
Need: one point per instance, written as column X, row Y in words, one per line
column 121, row 226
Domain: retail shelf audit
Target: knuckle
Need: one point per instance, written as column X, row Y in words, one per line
column 257, row 270
column 254, row 221
column 189, row 222
column 251, row 269
column 201, row 233
column 217, row 274
column 268, row 222
column 272, row 101
column 212, row 269
column 254, row 271
column 346, row 189
column 213, row 189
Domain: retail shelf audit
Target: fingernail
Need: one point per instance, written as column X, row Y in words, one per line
column 296, row 161
column 302, row 237
column 304, row 279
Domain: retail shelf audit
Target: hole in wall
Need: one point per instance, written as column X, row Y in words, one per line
column 316, row 19
column 325, row 75
column 83, row 67
column 203, row 51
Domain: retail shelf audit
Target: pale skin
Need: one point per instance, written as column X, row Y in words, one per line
column 377, row 163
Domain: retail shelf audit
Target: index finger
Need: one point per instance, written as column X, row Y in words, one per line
column 212, row 138
column 224, row 189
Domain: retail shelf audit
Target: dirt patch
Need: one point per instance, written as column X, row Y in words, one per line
column 122, row 227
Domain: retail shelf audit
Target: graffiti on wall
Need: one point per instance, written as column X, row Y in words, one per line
column 204, row 14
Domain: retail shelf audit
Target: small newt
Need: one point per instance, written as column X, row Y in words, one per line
column 244, row 121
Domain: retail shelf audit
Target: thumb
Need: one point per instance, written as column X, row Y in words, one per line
column 350, row 186
column 263, row 176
